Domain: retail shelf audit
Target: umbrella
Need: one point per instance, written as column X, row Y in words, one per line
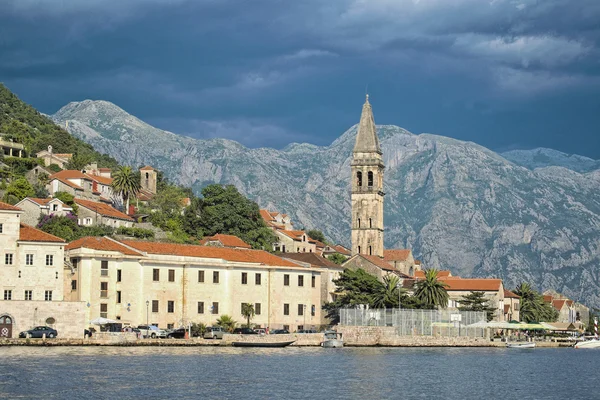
column 103, row 321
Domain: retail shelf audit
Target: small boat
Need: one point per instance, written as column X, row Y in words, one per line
column 332, row 339
column 520, row 345
column 262, row 344
column 588, row 344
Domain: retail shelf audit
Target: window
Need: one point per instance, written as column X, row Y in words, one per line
column 257, row 279
column 200, row 307
column 201, row 276
column 215, row 308
column 54, row 207
column 8, row 295
column 29, row 259
column 154, row 305
column 301, row 309
column 49, row 259
column 118, row 297
column 75, row 262
column 313, row 310
column 286, row 280
column 103, row 268
column 358, row 222
column 286, row 327
column 370, row 223
column 48, row 295
column 104, row 310
column 88, row 221
column 359, row 179
column 104, row 290
column 8, row 259
column 171, row 275
column 286, row 309
column 119, row 276
column 244, row 278
column 313, row 281
column 1, row 228
column 73, row 285
column 370, row 178
column 257, row 308
column 300, row 280
column 359, row 250
column 29, row 295
column 215, row 276
column 370, row 251
column 170, row 306
column 155, row 274
column 170, row 326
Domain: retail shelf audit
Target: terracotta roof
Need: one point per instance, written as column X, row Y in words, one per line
column 103, row 209
column 296, row 235
column 70, row 174
column 558, row 304
column 417, row 262
column 266, row 215
column 313, row 259
column 224, row 253
column 508, row 293
column 145, row 195
column 41, row 202
column 420, row 274
column 226, row 241
column 104, row 169
column 547, row 298
column 30, row 234
column 396, row 254
column 8, row 207
column 570, row 302
column 378, row 261
column 474, row 285
column 100, row 179
column 341, row 249
column 318, row 243
column 147, row 168
column 101, row 243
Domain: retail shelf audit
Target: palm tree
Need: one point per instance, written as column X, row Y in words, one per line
column 431, row 292
column 126, row 183
column 227, row 323
column 532, row 306
column 389, row 293
column 248, row 312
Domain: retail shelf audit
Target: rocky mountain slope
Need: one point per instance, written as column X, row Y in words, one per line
column 542, row 157
column 456, row 204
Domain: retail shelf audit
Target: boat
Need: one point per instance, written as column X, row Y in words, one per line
column 262, row 344
column 520, row 345
column 332, row 339
column 588, row 344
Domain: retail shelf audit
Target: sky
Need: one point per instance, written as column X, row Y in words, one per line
column 506, row 74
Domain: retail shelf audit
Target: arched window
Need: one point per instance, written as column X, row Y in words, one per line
column 370, row 251
column 359, row 179
column 370, row 223
column 358, row 222
column 370, row 178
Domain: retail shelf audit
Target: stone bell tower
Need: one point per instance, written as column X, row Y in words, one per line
column 367, row 188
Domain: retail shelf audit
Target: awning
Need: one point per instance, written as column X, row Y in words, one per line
column 103, row 321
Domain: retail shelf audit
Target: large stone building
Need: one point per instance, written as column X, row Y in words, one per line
column 32, row 277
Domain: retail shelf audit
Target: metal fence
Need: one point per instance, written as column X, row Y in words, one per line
column 447, row 323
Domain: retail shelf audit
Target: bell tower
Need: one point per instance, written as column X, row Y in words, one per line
column 367, row 188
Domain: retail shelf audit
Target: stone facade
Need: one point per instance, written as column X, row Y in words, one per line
column 68, row 318
column 34, row 208
column 148, row 176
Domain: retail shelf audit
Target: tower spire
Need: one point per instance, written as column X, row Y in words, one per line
column 366, row 139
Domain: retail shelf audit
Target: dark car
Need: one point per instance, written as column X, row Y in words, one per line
column 177, row 334
column 307, row 331
column 244, row 331
column 39, row 331
column 280, row 332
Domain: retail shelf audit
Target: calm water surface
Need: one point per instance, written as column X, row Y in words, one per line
column 296, row 373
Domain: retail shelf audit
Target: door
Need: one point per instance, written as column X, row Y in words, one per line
column 6, row 324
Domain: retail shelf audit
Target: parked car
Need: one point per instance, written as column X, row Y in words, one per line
column 152, row 331
column 244, row 331
column 39, row 331
column 177, row 333
column 214, row 332
column 307, row 331
column 260, row 331
column 280, row 332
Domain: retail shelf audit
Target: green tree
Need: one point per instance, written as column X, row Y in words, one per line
column 79, row 161
column 356, row 286
column 532, row 305
column 126, row 183
column 198, row 329
column 389, row 293
column 476, row 301
column 317, row 235
column 18, row 190
column 68, row 199
column 337, row 258
column 227, row 323
column 248, row 312
column 430, row 291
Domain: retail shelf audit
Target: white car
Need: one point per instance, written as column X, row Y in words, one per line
column 152, row 331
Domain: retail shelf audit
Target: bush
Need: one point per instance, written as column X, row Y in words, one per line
column 139, row 233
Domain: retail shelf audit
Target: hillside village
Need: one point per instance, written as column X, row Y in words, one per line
column 83, row 238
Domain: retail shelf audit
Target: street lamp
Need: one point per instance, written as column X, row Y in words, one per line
column 147, row 324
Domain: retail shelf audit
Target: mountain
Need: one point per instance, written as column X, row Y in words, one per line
column 542, row 157
column 458, row 205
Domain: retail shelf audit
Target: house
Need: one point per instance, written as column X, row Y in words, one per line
column 38, row 174
column 172, row 284
column 98, row 213
column 32, row 279
column 221, row 240
column 512, row 306
column 294, row 242
column 569, row 311
column 11, row 149
column 148, row 183
column 49, row 157
column 84, row 186
column 402, row 260
column 374, row 265
column 277, row 220
column 493, row 290
column 336, row 249
column 34, row 208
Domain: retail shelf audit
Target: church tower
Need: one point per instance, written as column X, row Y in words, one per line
column 367, row 188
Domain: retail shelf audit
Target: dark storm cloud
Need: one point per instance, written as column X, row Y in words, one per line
column 271, row 72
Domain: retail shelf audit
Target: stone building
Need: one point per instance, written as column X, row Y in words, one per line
column 83, row 186
column 171, row 284
column 148, row 183
column 569, row 311
column 493, row 290
column 512, row 306
column 97, row 213
column 11, row 149
column 34, row 208
column 32, row 279
column 49, row 157
column 294, row 242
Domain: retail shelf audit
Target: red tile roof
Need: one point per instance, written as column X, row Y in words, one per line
column 266, row 215
column 295, row 235
column 8, row 207
column 224, row 253
column 41, row 202
column 396, row 255
column 147, row 168
column 101, row 243
column 226, row 241
column 312, row 258
column 379, row 262
column 508, row 293
column 547, row 298
column 70, row 174
column 558, row 304
column 101, row 179
column 341, row 249
column 103, row 209
column 420, row 274
column 473, row 285
column 30, row 234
